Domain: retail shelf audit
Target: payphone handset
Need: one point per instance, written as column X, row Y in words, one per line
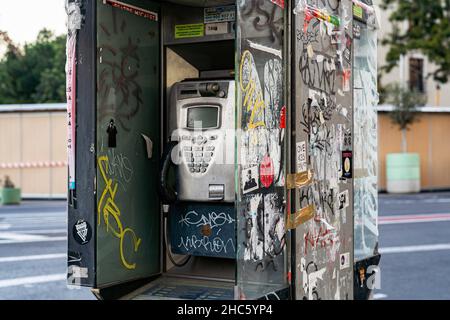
column 202, row 121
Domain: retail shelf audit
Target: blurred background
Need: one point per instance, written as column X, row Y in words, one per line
column 414, row 151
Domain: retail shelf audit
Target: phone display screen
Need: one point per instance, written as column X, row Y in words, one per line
column 203, row 117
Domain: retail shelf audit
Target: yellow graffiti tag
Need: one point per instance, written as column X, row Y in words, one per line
column 110, row 208
column 253, row 100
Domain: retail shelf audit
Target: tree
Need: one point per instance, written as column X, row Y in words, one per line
column 36, row 73
column 405, row 104
column 428, row 32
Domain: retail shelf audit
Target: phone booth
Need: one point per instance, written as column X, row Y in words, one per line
column 222, row 149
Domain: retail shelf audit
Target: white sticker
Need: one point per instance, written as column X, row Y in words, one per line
column 149, row 145
column 301, row 157
column 78, row 272
column 216, row 28
column 343, row 200
column 250, row 179
column 345, row 261
column 220, row 14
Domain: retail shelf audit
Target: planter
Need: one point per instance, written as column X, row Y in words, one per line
column 403, row 172
column 10, row 196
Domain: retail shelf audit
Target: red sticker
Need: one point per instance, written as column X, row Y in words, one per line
column 266, row 172
column 283, row 118
column 279, row 3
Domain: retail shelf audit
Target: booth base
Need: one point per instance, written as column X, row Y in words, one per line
column 174, row 288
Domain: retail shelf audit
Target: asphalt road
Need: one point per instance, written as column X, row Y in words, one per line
column 33, row 247
column 414, row 241
column 415, row 246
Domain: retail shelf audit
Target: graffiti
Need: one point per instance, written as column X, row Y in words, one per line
column 318, row 75
column 326, row 112
column 214, row 245
column 311, row 276
column 307, row 37
column 264, row 230
column 264, row 18
column 119, row 92
column 108, row 206
column 120, row 167
column 213, row 220
column 322, row 238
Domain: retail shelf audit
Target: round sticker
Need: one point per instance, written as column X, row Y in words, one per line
column 82, row 232
column 267, row 172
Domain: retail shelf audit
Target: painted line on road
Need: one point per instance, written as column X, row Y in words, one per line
column 414, row 218
column 47, row 239
column 32, row 258
column 20, row 236
column 419, row 248
column 379, row 296
column 31, row 280
column 38, row 231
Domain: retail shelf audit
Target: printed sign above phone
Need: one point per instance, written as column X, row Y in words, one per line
column 220, row 14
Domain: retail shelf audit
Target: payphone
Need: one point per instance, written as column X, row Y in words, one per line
column 201, row 217
column 202, row 121
column 231, row 127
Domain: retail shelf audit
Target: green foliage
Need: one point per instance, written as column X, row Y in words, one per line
column 428, row 32
column 405, row 104
column 35, row 74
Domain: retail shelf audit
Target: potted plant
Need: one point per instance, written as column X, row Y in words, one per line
column 10, row 194
column 403, row 169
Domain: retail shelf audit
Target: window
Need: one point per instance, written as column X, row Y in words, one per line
column 416, row 76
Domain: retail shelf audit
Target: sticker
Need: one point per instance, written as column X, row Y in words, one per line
column 343, row 200
column 216, row 28
column 310, row 51
column 183, row 31
column 267, row 172
column 250, row 179
column 112, row 134
column 357, row 11
column 77, row 272
column 345, row 261
column 283, row 118
column 347, row 164
column 82, row 232
column 279, row 3
column 133, row 9
column 356, row 31
column 220, row 14
column 266, row 49
column 71, row 76
column 149, row 146
column 346, row 77
column 301, row 157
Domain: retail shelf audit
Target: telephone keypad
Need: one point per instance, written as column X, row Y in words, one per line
column 199, row 154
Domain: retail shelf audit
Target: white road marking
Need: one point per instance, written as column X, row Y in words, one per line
column 378, row 296
column 35, row 257
column 31, row 280
column 414, row 218
column 46, row 239
column 20, row 236
column 39, row 231
column 418, row 248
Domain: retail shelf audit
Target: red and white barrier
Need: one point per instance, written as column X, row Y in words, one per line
column 34, row 165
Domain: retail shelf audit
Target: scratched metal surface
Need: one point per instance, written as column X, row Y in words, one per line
column 324, row 114
column 261, row 148
column 128, row 242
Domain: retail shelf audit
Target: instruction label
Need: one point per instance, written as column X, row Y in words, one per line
column 189, row 30
column 220, row 14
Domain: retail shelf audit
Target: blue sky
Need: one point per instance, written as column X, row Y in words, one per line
column 23, row 19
